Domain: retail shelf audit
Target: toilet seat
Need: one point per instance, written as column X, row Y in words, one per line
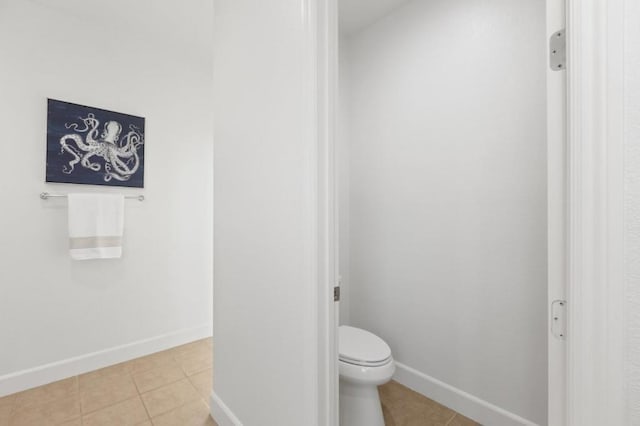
column 362, row 348
column 365, row 362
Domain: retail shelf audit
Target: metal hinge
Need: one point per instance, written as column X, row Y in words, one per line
column 558, row 51
column 336, row 294
column 559, row 319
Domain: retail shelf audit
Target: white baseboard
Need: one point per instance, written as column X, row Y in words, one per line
column 464, row 403
column 41, row 375
column 221, row 413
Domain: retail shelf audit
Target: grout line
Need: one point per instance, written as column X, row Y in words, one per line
column 182, row 369
column 181, row 405
column 105, row 407
column 193, row 384
column 451, row 419
column 135, row 384
column 82, row 413
column 77, row 380
column 146, row 410
column 13, row 407
column 209, row 366
column 173, row 409
column 162, row 385
column 176, row 407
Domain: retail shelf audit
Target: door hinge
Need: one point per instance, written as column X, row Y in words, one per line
column 336, row 294
column 559, row 319
column 558, row 50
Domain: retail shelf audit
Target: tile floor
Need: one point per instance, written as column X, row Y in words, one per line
column 403, row 407
column 168, row 388
column 171, row 388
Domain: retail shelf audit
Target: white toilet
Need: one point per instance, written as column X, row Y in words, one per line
column 365, row 363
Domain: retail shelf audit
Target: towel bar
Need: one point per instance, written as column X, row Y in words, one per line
column 46, row 196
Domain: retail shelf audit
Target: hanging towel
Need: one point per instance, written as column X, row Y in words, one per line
column 96, row 222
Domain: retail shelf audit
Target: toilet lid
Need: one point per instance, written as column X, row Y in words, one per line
column 357, row 346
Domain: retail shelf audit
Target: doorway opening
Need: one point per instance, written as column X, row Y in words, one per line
column 450, row 155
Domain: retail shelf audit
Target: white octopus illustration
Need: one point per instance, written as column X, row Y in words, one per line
column 120, row 155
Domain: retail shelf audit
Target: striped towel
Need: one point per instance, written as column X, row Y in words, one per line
column 96, row 222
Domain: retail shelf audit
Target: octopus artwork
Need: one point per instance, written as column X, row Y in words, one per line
column 88, row 145
column 120, row 155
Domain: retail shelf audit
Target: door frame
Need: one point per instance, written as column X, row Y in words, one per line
column 586, row 211
column 556, row 221
column 595, row 392
column 324, row 48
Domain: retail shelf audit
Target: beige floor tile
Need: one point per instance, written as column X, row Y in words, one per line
column 403, row 407
column 74, row 422
column 460, row 420
column 195, row 362
column 150, row 362
column 394, row 391
column 49, row 413
column 126, row 413
column 199, row 346
column 194, row 413
column 95, row 377
column 6, row 407
column 8, row 400
column 5, row 414
column 203, row 382
column 51, row 392
column 152, row 379
column 168, row 397
column 107, row 392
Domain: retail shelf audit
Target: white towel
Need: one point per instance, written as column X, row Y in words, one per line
column 96, row 222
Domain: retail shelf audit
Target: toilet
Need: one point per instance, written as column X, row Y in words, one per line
column 365, row 363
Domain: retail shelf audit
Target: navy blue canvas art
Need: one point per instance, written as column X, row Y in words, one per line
column 94, row 146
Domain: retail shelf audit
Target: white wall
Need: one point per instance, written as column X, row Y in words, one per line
column 109, row 56
column 343, row 165
column 356, row 14
column 265, row 232
column 447, row 172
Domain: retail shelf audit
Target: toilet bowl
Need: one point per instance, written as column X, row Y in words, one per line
column 365, row 363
